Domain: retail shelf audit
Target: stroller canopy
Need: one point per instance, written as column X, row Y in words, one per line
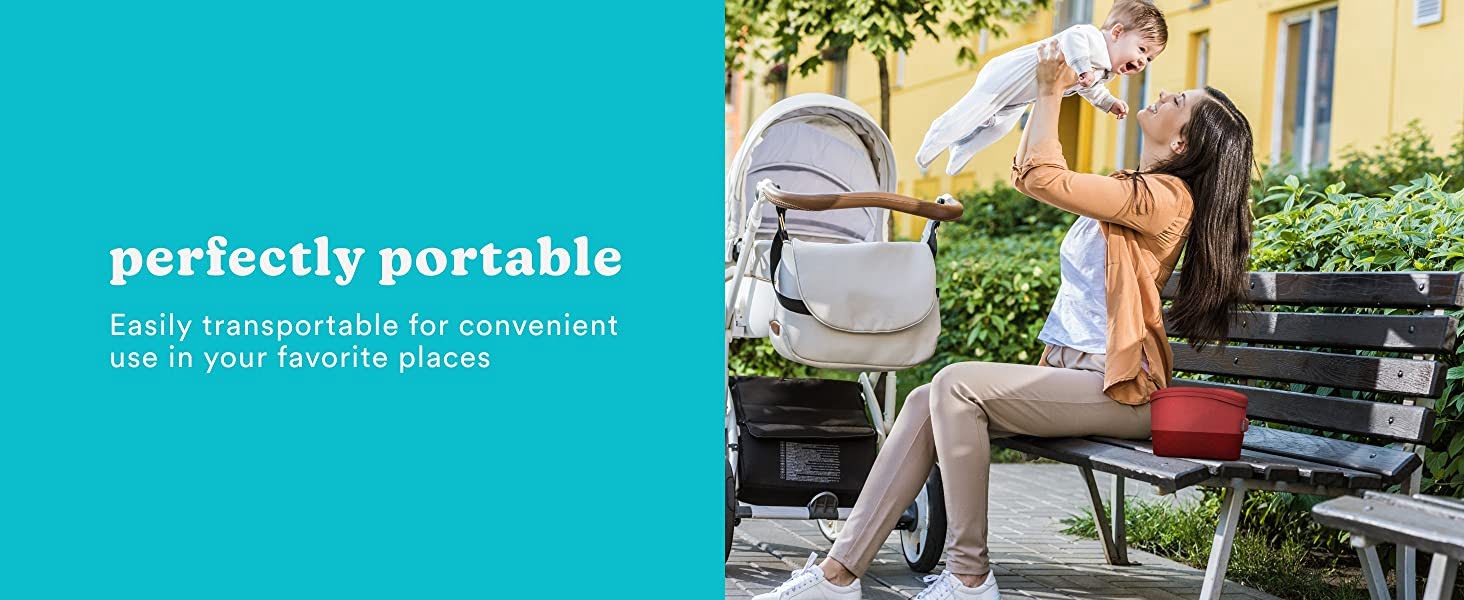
column 813, row 143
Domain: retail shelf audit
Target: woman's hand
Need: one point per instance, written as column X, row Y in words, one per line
column 1054, row 76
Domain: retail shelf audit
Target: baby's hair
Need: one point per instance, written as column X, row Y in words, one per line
column 1139, row 15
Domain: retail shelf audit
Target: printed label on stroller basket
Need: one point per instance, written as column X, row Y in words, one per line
column 809, row 463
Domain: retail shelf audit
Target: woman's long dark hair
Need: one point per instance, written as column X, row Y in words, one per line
column 1216, row 164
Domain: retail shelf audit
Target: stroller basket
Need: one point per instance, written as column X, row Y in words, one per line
column 801, row 437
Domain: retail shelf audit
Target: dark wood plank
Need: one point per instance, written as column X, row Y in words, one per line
column 1392, row 465
column 1385, row 420
column 1271, row 467
column 1408, row 289
column 1268, row 470
column 1381, row 519
column 1366, row 373
column 1168, row 474
column 1232, row 470
column 1417, row 334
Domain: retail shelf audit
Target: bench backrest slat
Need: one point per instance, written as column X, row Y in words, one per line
column 1322, row 348
column 1419, row 334
column 1409, row 289
column 1396, row 422
column 1363, row 373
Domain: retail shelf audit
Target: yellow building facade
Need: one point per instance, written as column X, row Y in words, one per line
column 1314, row 78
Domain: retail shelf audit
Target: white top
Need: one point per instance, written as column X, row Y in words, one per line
column 1005, row 86
column 1079, row 317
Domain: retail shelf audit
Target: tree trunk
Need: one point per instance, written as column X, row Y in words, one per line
column 884, row 94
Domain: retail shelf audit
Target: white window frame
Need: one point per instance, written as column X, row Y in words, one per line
column 1278, row 101
column 1072, row 12
column 1202, row 60
column 839, row 82
column 1122, row 141
column 900, row 69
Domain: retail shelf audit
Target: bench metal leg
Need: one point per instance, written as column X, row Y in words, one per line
column 1120, row 526
column 1407, row 572
column 1115, row 548
column 1441, row 578
column 1224, row 541
column 1372, row 569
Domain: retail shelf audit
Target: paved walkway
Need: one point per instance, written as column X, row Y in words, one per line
column 1032, row 559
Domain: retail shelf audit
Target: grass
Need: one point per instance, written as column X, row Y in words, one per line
column 1283, row 567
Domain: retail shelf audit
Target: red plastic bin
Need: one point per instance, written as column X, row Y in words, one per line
column 1191, row 422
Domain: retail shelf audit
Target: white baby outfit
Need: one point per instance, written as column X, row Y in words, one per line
column 1003, row 90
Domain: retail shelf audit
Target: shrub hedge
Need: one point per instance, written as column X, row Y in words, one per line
column 1417, row 226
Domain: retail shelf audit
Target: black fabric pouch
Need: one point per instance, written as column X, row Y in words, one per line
column 800, row 437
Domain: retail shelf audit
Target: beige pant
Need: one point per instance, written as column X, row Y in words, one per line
column 951, row 421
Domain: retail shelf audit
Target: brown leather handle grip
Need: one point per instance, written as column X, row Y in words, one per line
column 949, row 211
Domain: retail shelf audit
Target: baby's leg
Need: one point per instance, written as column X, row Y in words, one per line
column 976, row 107
column 968, row 146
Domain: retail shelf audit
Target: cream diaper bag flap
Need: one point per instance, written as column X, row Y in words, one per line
column 865, row 306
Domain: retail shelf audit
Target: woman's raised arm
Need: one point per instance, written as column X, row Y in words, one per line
column 1041, row 172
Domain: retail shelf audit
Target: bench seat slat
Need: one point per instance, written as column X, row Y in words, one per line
column 1168, row 474
column 1365, row 373
column 1408, row 289
column 1395, row 422
column 1381, row 520
column 1417, row 334
column 1392, row 465
column 1263, row 466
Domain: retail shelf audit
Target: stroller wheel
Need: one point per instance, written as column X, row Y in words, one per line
column 731, row 509
column 923, row 544
column 830, row 529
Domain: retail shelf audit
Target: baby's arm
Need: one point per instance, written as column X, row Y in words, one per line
column 1074, row 44
column 1099, row 96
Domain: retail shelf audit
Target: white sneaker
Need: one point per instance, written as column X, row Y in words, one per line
column 808, row 583
column 947, row 587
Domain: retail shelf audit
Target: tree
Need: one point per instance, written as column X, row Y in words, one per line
column 882, row 27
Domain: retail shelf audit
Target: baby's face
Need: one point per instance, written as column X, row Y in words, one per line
column 1130, row 51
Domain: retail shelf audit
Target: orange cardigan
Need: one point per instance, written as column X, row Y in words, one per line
column 1145, row 233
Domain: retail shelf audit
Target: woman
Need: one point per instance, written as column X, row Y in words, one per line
column 1105, row 333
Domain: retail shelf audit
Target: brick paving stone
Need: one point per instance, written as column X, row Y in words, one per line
column 1031, row 557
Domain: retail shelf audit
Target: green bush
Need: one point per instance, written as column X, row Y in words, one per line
column 1000, row 211
column 1418, row 226
column 994, row 296
column 1404, row 156
column 1286, row 566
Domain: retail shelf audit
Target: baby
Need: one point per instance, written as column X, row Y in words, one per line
column 1132, row 35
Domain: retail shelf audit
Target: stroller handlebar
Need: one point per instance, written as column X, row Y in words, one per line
column 949, row 210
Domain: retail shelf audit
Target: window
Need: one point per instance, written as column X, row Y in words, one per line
column 960, row 183
column 900, row 68
column 1066, row 13
column 1427, row 12
column 927, row 188
column 1133, row 90
column 1302, row 109
column 840, row 84
column 1200, row 64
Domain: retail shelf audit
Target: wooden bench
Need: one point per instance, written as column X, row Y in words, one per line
column 1427, row 523
column 1298, row 348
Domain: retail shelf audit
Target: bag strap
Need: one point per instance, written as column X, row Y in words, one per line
column 776, row 258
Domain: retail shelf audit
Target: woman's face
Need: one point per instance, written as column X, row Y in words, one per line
column 1163, row 120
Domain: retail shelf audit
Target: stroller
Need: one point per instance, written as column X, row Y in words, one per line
column 818, row 168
